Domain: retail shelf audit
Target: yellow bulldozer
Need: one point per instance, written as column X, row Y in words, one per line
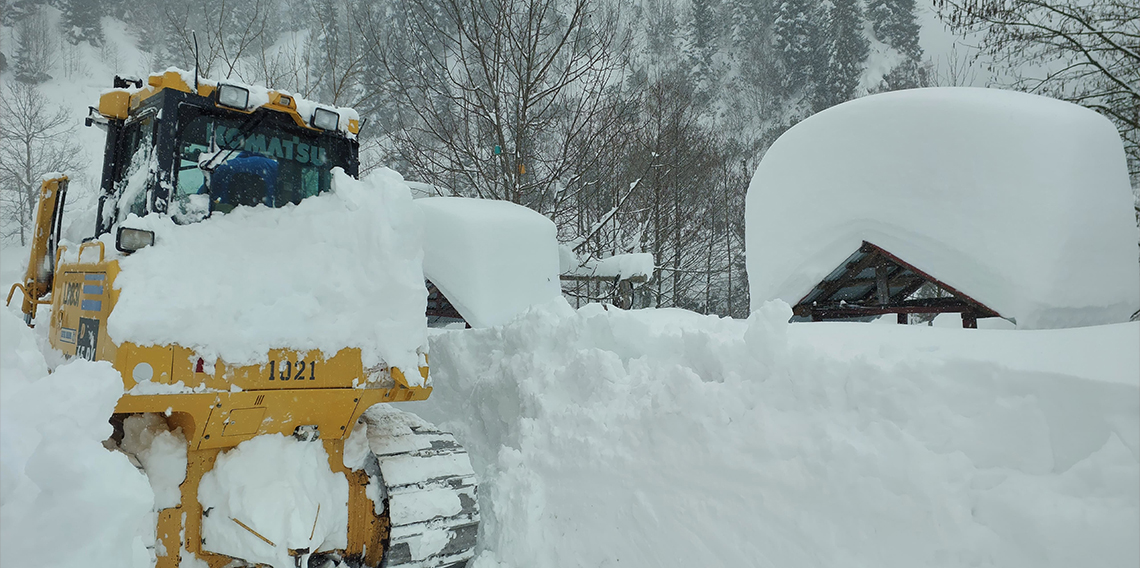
column 187, row 134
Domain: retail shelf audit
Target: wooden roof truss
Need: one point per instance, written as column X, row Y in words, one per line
column 873, row 282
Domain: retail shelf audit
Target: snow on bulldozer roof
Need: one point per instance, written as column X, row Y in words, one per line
column 1019, row 201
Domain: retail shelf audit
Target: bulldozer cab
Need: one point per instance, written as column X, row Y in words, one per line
column 188, row 152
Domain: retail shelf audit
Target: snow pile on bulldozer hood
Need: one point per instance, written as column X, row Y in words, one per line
column 665, row 438
column 64, row 499
column 1019, row 201
column 338, row 270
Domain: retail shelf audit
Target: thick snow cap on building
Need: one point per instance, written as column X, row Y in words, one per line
column 1019, row 201
column 492, row 259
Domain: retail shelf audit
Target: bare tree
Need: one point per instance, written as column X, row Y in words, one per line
column 679, row 204
column 292, row 65
column 505, row 99
column 954, row 69
column 325, row 61
column 1080, row 51
column 231, row 30
column 35, row 47
column 34, row 140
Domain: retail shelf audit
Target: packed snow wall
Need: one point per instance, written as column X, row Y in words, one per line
column 65, row 500
column 1019, row 201
column 665, row 438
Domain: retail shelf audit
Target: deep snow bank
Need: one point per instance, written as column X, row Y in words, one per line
column 664, row 438
column 1020, row 201
column 338, row 270
column 65, row 500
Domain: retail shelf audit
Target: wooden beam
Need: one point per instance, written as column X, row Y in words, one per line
column 910, row 284
column 882, row 290
column 913, row 287
column 892, row 280
column 856, row 312
column 969, row 320
column 853, row 269
column 983, row 310
column 922, row 306
column 918, row 302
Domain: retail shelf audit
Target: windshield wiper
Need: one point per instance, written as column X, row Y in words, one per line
column 243, row 131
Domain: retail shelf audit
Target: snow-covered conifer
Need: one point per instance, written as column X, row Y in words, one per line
column 895, row 24
column 35, row 48
column 81, row 21
column 847, row 48
column 796, row 40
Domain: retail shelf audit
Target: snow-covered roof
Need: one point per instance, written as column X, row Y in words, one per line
column 1020, row 201
column 623, row 266
column 492, row 259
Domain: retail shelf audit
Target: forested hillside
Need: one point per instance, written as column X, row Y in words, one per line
column 635, row 126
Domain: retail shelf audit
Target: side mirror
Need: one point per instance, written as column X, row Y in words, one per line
column 130, row 240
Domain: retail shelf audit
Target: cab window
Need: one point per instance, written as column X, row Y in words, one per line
column 136, row 152
column 268, row 165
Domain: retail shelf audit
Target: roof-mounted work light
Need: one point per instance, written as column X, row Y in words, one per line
column 325, row 119
column 233, row 96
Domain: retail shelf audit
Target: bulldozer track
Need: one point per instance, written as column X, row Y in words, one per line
column 430, row 487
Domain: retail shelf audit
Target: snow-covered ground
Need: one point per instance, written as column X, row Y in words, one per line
column 64, row 499
column 662, row 437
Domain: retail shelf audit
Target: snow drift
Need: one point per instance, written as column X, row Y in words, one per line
column 65, row 500
column 665, row 438
column 1020, row 201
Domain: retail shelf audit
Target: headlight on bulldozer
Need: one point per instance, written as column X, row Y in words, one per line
column 233, row 96
column 325, row 119
column 130, row 240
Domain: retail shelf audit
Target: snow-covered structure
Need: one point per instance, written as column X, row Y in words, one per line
column 491, row 259
column 1020, row 202
column 618, row 273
